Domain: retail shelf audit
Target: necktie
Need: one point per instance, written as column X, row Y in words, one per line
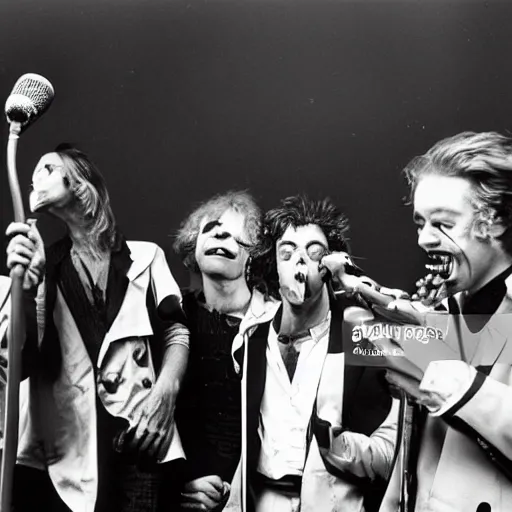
column 290, row 352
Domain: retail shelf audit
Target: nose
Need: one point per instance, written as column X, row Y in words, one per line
column 427, row 237
column 301, row 257
column 222, row 235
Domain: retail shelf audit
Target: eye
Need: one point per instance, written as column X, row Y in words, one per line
column 316, row 252
column 285, row 253
column 243, row 244
column 210, row 225
column 442, row 226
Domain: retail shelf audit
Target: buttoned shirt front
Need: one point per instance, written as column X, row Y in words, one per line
column 287, row 406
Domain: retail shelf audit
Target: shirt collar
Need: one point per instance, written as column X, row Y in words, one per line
column 489, row 297
column 317, row 332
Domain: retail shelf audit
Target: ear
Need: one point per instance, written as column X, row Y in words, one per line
column 491, row 228
column 497, row 228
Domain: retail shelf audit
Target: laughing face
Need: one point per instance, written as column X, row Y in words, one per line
column 299, row 252
column 445, row 216
column 221, row 248
column 50, row 189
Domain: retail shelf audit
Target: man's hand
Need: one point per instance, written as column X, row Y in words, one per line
column 404, row 311
column 337, row 264
column 431, row 290
column 410, row 385
column 397, row 293
column 26, row 248
column 152, row 430
column 425, row 393
column 205, row 493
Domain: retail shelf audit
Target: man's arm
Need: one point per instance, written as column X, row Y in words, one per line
column 175, row 358
column 365, row 456
column 155, row 424
column 455, row 390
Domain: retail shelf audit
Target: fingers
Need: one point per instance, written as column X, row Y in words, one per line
column 153, row 445
column 429, row 289
column 22, row 240
column 333, row 262
column 148, row 442
column 373, row 284
column 120, row 440
column 211, row 485
column 193, row 506
column 150, row 437
column 34, row 232
column 15, row 228
column 199, row 498
column 408, row 384
column 162, row 448
column 394, row 292
column 204, row 493
column 139, row 434
column 25, row 248
column 22, row 246
column 20, row 251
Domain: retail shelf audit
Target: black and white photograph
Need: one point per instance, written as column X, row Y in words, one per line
column 256, row 256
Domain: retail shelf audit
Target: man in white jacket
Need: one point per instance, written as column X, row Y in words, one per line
column 105, row 351
column 461, row 190
column 321, row 435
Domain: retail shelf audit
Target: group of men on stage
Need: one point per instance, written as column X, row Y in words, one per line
column 237, row 395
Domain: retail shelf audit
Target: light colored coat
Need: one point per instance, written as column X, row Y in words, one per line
column 322, row 490
column 58, row 426
column 454, row 472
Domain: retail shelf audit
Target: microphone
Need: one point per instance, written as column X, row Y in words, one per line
column 31, row 95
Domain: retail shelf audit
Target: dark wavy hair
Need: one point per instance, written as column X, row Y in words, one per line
column 239, row 201
column 485, row 160
column 295, row 211
column 90, row 191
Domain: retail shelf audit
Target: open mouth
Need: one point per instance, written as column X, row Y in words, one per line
column 220, row 251
column 441, row 264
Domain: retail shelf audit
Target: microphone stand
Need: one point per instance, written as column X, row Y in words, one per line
column 16, row 337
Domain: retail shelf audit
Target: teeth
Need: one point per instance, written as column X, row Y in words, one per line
column 219, row 251
column 442, row 264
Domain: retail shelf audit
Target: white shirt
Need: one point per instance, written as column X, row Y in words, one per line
column 286, row 406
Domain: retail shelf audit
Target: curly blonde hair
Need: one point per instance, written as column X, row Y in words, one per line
column 239, row 201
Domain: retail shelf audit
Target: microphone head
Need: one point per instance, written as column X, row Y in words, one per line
column 31, row 95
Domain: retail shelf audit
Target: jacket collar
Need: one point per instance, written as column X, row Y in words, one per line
column 260, row 311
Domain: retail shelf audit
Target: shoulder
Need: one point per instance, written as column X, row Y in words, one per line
column 144, row 250
column 261, row 308
column 143, row 256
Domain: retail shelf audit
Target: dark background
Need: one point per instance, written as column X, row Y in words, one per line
column 178, row 100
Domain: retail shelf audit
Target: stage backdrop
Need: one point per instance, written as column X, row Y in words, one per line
column 179, row 100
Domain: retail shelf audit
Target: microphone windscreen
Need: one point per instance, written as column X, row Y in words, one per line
column 32, row 94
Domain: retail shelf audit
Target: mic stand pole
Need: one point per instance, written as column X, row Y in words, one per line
column 16, row 338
